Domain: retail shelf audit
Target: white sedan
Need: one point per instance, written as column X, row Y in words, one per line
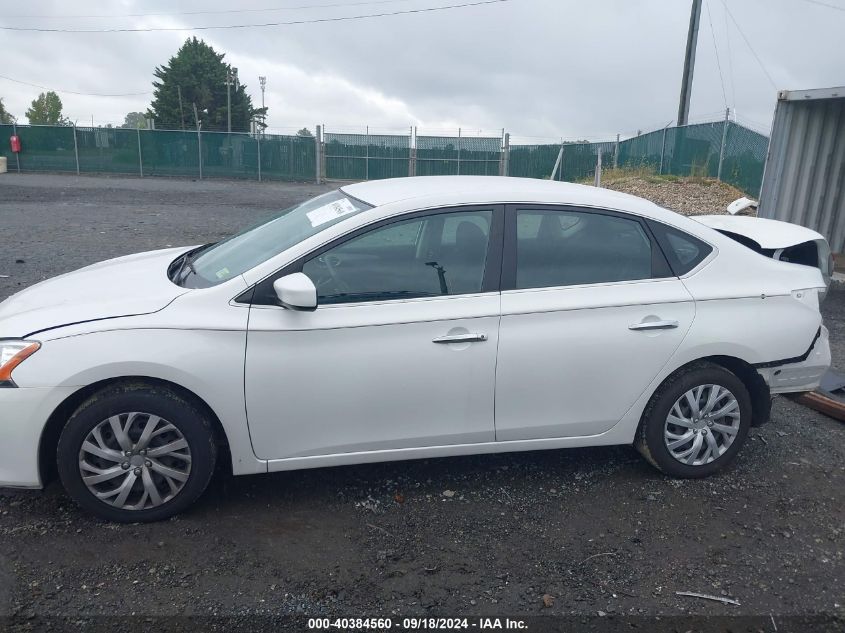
column 402, row 319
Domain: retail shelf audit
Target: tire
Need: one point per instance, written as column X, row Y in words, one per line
column 159, row 476
column 664, row 443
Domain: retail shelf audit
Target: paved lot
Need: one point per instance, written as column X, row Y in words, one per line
column 597, row 529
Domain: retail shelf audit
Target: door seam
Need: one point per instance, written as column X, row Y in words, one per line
column 496, row 369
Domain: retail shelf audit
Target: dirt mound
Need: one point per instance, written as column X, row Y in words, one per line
column 690, row 196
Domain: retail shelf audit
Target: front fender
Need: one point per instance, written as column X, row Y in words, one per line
column 209, row 363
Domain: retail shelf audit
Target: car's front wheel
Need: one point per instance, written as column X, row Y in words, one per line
column 136, row 452
column 696, row 422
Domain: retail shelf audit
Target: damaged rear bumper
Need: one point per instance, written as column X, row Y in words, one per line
column 799, row 374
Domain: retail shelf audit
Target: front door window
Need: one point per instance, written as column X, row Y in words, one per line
column 435, row 255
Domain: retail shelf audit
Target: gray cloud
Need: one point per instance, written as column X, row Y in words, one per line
column 540, row 68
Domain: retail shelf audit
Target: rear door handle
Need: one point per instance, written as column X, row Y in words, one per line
column 654, row 325
column 461, row 338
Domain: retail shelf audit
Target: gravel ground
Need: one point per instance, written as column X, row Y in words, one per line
column 690, row 196
column 591, row 530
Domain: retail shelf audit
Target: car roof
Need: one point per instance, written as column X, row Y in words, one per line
column 494, row 189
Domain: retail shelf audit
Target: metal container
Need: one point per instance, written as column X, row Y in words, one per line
column 805, row 169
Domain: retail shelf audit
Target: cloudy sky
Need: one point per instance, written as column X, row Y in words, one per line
column 542, row 69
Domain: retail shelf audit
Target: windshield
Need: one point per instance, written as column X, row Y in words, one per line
column 233, row 256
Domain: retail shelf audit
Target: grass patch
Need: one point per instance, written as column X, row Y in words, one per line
column 644, row 173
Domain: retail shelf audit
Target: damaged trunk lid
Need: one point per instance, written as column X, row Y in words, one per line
column 781, row 241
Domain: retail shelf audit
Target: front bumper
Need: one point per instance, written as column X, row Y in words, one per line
column 804, row 375
column 23, row 414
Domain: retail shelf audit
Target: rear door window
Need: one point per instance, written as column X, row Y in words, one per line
column 570, row 247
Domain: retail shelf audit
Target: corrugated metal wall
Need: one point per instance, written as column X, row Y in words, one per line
column 805, row 171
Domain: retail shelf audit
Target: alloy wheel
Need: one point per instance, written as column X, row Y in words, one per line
column 702, row 424
column 135, row 461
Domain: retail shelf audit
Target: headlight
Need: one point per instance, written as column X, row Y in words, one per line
column 12, row 354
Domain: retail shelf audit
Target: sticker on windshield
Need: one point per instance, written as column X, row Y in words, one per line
column 222, row 273
column 331, row 212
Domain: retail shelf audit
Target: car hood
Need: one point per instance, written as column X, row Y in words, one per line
column 126, row 286
column 770, row 234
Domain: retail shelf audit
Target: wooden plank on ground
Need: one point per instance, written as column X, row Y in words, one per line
column 832, row 407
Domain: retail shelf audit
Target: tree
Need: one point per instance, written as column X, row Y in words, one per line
column 5, row 117
column 200, row 73
column 135, row 120
column 305, row 132
column 47, row 110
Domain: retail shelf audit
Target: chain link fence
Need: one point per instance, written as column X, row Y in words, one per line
column 367, row 156
column 724, row 150
column 744, row 158
column 160, row 153
column 458, row 155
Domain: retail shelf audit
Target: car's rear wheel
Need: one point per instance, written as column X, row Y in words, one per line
column 696, row 422
column 136, row 452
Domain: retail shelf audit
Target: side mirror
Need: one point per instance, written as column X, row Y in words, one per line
column 296, row 292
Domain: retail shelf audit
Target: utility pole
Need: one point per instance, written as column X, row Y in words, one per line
column 199, row 139
column 231, row 79
column 263, row 82
column 689, row 63
column 181, row 110
column 724, row 143
column 76, row 148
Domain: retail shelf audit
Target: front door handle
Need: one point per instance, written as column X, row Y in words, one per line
column 461, row 338
column 654, row 325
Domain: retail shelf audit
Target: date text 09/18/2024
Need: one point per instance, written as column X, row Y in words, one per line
column 416, row 624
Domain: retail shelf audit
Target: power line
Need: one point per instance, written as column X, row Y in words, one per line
column 73, row 92
column 716, row 49
column 216, row 12
column 265, row 24
column 730, row 59
column 825, row 4
column 748, row 43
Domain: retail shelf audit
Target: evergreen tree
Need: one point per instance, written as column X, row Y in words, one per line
column 5, row 117
column 200, row 72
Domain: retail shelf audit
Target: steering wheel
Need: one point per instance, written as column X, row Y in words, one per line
column 332, row 262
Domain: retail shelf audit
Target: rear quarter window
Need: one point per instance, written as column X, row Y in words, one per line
column 683, row 251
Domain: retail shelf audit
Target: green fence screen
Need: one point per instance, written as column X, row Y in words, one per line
column 578, row 161
column 46, row 149
column 288, row 158
column 456, row 155
column 532, row 161
column 107, row 150
column 169, row 153
column 367, row 156
column 644, row 151
column 695, row 150
column 692, row 150
column 160, row 153
column 745, row 158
